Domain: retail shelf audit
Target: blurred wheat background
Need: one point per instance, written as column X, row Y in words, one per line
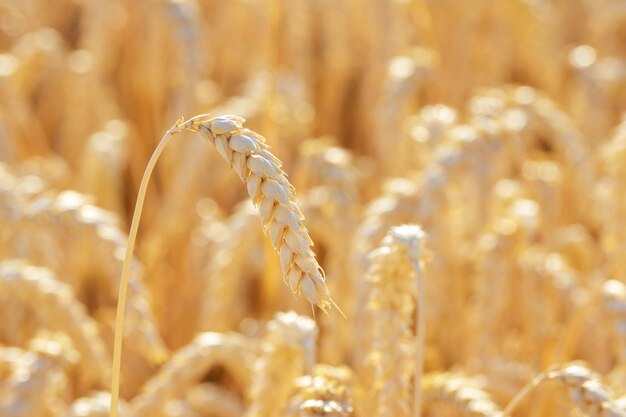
column 495, row 128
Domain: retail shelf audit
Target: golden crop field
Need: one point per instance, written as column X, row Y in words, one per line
column 358, row 208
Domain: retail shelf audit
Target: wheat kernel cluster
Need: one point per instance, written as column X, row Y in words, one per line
column 312, row 208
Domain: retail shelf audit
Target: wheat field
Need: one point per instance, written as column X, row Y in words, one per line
column 300, row 208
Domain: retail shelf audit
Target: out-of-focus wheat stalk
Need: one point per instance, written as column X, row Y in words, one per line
column 287, row 352
column 268, row 188
column 392, row 357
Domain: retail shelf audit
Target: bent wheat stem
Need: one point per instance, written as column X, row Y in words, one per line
column 270, row 191
column 132, row 236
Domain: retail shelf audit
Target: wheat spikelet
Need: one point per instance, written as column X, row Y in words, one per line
column 392, row 356
column 58, row 310
column 326, row 392
column 287, row 352
column 188, row 365
column 463, row 394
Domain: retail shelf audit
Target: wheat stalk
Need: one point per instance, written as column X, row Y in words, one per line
column 396, row 291
column 269, row 190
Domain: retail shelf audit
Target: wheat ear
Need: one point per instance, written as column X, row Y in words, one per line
column 288, row 351
column 269, row 189
column 583, row 386
column 392, row 354
column 57, row 309
column 189, row 364
column 462, row 393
